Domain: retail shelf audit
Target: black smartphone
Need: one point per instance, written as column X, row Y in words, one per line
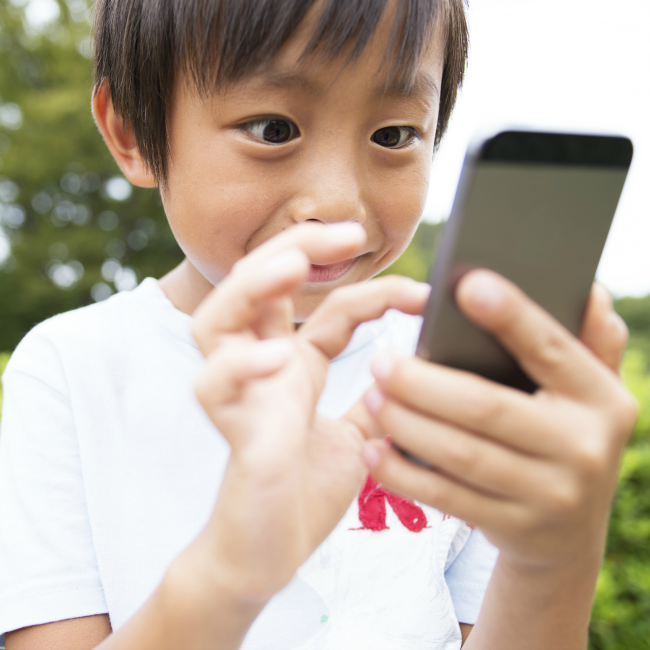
column 536, row 208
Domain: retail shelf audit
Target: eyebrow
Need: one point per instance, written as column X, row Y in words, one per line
column 284, row 79
column 422, row 86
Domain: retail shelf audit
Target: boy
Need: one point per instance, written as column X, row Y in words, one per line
column 254, row 118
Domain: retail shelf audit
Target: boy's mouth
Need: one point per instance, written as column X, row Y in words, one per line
column 329, row 272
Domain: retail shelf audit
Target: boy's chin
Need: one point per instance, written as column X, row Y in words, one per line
column 307, row 299
column 305, row 305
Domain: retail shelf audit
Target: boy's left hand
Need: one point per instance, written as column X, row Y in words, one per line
column 292, row 473
column 536, row 473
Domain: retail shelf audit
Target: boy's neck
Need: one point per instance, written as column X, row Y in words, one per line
column 185, row 287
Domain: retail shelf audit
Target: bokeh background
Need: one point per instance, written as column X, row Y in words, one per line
column 73, row 231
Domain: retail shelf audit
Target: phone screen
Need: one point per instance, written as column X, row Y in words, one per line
column 543, row 225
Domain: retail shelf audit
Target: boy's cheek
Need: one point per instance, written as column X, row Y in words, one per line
column 219, row 213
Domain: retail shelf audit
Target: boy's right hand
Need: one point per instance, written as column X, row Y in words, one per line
column 292, row 474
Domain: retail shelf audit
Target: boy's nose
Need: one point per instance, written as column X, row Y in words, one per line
column 330, row 210
column 328, row 201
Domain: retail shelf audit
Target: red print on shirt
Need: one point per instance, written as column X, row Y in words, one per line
column 372, row 509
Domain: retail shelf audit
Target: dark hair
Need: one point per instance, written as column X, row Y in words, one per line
column 141, row 44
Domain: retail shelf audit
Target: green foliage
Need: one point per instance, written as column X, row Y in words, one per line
column 621, row 614
column 55, row 193
column 636, row 313
column 416, row 259
column 4, row 358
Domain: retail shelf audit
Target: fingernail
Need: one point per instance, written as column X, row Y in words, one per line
column 371, row 456
column 374, row 399
column 383, row 365
column 270, row 354
column 286, row 263
column 483, row 290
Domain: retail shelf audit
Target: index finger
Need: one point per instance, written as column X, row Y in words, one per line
column 333, row 323
column 546, row 350
column 322, row 243
column 272, row 270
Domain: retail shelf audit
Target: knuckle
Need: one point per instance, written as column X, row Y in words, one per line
column 592, row 455
column 482, row 407
column 626, row 414
column 527, row 522
column 460, row 455
column 386, row 417
column 629, row 409
column 562, row 499
column 550, row 347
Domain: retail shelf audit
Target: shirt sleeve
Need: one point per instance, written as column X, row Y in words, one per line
column 469, row 574
column 48, row 569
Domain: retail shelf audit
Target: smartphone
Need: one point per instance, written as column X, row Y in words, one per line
column 535, row 207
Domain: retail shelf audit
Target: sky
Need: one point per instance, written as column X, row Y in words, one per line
column 580, row 65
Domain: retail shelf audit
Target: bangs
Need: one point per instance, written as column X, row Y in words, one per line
column 223, row 42
column 141, row 45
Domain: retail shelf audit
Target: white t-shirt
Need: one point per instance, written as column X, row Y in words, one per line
column 109, row 468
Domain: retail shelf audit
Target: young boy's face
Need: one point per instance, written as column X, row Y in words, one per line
column 303, row 142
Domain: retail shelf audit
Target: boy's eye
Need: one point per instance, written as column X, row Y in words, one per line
column 393, row 137
column 272, row 130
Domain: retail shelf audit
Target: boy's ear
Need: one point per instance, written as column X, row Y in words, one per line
column 120, row 140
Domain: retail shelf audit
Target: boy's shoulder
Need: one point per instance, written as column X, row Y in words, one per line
column 100, row 329
column 84, row 319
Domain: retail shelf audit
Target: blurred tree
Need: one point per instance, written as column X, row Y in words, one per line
column 4, row 358
column 636, row 313
column 416, row 259
column 621, row 614
column 72, row 229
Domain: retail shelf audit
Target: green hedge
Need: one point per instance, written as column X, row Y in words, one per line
column 4, row 357
column 621, row 614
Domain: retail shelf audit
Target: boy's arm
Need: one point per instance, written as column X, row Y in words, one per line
column 189, row 609
column 85, row 634
column 182, row 613
column 73, row 634
column 536, row 473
